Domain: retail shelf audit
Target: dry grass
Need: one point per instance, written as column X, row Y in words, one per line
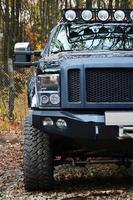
column 20, row 108
column 20, row 104
column 20, row 112
column 12, row 127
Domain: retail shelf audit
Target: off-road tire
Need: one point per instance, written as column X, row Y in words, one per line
column 38, row 162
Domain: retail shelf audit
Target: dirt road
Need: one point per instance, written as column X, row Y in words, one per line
column 96, row 182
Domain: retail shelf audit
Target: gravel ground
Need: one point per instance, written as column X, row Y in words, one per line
column 96, row 182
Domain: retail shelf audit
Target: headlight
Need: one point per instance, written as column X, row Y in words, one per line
column 48, row 82
column 54, row 99
column 86, row 15
column 48, row 88
column 44, row 99
column 103, row 15
column 70, row 15
column 119, row 15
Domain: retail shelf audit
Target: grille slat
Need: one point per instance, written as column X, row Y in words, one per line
column 109, row 85
column 74, row 85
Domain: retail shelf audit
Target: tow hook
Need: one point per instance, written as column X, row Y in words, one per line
column 125, row 132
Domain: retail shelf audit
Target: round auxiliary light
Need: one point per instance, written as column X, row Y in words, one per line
column 131, row 15
column 48, row 122
column 44, row 99
column 86, row 15
column 55, row 99
column 70, row 15
column 119, row 15
column 103, row 15
column 61, row 123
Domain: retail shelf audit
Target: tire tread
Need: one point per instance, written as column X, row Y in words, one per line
column 38, row 166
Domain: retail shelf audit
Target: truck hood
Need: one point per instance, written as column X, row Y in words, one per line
column 95, row 59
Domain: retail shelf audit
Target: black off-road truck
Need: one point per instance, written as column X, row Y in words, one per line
column 81, row 95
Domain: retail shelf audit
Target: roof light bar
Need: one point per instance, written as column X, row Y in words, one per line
column 103, row 15
column 96, row 15
column 70, row 15
column 119, row 15
column 86, row 15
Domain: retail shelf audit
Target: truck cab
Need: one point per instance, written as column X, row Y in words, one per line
column 81, row 96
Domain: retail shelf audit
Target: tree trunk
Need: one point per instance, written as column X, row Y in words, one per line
column 12, row 28
column 70, row 4
column 98, row 4
column 110, row 4
column 89, row 4
column 6, row 35
column 11, row 91
column 77, row 4
column 66, row 4
column 124, row 4
column 53, row 12
column 117, row 4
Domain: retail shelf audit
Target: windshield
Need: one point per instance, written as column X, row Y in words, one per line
column 82, row 37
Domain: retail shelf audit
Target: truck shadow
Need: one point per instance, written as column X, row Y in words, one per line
column 108, row 182
column 117, row 180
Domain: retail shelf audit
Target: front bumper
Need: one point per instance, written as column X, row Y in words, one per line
column 89, row 126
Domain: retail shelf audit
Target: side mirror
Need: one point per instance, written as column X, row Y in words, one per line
column 22, row 55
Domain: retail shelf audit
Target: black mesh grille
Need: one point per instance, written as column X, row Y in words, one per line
column 74, row 85
column 109, row 85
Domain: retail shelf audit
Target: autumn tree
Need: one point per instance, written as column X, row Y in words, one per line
column 32, row 20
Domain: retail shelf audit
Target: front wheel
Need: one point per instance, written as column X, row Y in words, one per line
column 38, row 162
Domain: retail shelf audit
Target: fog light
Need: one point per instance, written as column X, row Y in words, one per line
column 48, row 122
column 61, row 123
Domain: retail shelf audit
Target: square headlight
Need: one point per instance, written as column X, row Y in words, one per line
column 49, row 82
column 49, row 90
